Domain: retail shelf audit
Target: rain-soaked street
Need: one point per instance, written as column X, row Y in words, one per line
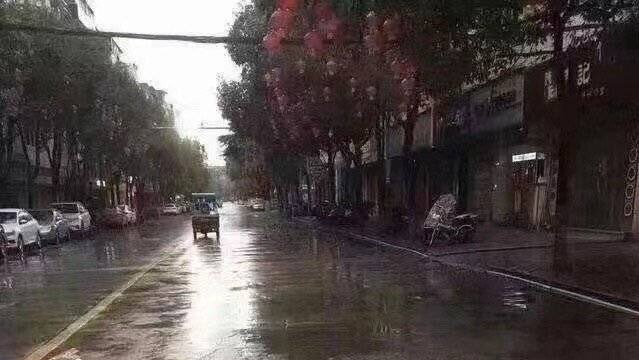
column 273, row 290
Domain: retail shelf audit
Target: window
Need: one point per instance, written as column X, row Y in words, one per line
column 7, row 217
column 43, row 216
column 66, row 208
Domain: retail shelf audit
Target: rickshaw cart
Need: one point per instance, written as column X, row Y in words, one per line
column 205, row 218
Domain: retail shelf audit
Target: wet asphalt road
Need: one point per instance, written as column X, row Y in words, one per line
column 271, row 290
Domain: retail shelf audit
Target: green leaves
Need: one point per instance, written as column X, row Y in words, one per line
column 69, row 94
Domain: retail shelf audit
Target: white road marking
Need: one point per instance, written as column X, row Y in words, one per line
column 44, row 350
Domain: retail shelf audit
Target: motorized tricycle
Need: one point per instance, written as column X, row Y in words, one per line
column 205, row 218
column 443, row 224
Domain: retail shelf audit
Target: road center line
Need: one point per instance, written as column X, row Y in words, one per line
column 44, row 350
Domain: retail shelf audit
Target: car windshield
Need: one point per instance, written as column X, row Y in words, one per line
column 42, row 215
column 7, row 217
column 66, row 208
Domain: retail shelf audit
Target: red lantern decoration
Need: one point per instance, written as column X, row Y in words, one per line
column 314, row 43
column 273, row 42
column 291, row 5
column 281, row 19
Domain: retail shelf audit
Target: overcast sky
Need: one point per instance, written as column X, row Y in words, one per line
column 189, row 73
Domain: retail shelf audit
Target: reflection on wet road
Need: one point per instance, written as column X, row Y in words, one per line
column 269, row 290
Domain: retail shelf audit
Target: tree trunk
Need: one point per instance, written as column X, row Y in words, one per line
column 331, row 177
column 309, row 196
column 116, row 189
column 381, row 171
column 112, row 195
column 410, row 168
column 358, row 177
column 55, row 162
column 32, row 166
column 7, row 140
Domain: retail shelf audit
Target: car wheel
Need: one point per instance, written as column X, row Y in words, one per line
column 38, row 241
column 20, row 245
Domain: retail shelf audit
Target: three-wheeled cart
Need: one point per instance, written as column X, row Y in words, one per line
column 205, row 218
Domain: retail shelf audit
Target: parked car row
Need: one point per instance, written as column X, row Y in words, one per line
column 20, row 228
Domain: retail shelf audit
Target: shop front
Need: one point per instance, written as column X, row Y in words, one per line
column 502, row 175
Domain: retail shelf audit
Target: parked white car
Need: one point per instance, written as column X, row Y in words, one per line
column 131, row 215
column 21, row 229
column 76, row 214
column 170, row 209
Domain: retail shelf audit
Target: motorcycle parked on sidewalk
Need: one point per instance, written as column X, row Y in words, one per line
column 443, row 224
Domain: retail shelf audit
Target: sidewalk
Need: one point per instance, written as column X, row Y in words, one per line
column 605, row 270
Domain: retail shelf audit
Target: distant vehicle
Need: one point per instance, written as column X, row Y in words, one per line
column 205, row 218
column 53, row 226
column 258, row 205
column 170, row 209
column 21, row 229
column 121, row 216
column 76, row 214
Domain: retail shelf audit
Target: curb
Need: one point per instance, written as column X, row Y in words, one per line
column 583, row 295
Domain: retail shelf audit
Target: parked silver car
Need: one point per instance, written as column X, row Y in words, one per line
column 76, row 214
column 21, row 229
column 54, row 228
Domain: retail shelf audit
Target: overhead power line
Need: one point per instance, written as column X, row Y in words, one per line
column 206, row 39
column 202, row 39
